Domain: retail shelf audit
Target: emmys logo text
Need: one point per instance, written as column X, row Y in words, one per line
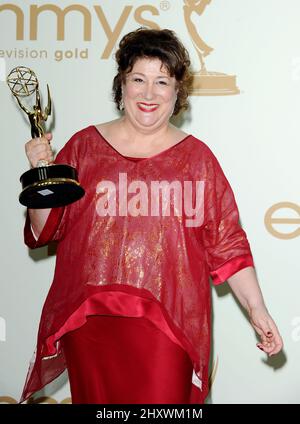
column 28, row 19
column 79, row 23
column 282, row 220
column 155, row 200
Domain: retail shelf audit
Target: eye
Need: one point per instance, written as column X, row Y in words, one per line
column 137, row 79
column 162, row 82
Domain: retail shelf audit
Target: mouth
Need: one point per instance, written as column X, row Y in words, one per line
column 147, row 107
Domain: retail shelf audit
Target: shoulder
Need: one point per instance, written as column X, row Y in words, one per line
column 204, row 155
column 108, row 128
column 201, row 147
column 83, row 133
column 79, row 142
column 86, row 135
column 92, row 130
column 176, row 134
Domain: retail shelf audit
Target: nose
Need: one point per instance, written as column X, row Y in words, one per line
column 149, row 92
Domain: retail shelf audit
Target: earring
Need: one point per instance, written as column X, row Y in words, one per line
column 121, row 104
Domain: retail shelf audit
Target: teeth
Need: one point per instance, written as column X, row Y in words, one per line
column 148, row 106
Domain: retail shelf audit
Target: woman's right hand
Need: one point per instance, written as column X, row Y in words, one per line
column 39, row 149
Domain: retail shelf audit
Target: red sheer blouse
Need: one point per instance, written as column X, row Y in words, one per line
column 138, row 263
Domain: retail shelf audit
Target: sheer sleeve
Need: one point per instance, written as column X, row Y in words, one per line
column 226, row 245
column 55, row 226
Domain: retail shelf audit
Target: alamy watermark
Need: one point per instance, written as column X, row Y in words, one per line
column 162, row 198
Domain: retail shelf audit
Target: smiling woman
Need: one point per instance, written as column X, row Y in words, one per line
column 170, row 56
column 129, row 309
column 149, row 93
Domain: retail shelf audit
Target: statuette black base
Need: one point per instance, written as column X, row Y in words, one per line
column 50, row 187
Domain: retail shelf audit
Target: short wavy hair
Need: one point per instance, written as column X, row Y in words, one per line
column 159, row 44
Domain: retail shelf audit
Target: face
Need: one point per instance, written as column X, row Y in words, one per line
column 149, row 95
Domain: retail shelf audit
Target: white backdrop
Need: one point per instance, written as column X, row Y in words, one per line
column 254, row 134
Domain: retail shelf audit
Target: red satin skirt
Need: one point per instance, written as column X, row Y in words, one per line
column 116, row 359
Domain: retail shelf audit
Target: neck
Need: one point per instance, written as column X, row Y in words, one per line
column 143, row 137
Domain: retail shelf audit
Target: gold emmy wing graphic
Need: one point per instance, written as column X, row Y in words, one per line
column 205, row 83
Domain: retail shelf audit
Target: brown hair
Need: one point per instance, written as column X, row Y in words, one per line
column 152, row 43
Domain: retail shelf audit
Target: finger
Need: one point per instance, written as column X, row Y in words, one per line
column 39, row 141
column 276, row 350
column 264, row 348
column 41, row 150
column 43, row 140
column 263, row 337
column 278, row 344
column 266, row 329
column 271, row 348
column 41, row 154
column 48, row 136
column 273, row 334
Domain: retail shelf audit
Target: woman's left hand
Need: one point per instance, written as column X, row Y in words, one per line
column 263, row 324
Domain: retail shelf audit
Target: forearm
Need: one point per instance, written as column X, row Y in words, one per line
column 246, row 288
column 38, row 218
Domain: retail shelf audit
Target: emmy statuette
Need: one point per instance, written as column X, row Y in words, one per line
column 47, row 185
column 205, row 83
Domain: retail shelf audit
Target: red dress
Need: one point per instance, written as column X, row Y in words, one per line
column 129, row 248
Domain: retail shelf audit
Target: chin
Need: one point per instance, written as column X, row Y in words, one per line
column 154, row 125
column 153, row 122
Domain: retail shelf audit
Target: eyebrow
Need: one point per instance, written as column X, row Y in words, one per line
column 140, row 73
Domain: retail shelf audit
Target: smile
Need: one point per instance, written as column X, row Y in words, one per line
column 147, row 107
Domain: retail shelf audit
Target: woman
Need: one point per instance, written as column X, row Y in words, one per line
column 128, row 312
